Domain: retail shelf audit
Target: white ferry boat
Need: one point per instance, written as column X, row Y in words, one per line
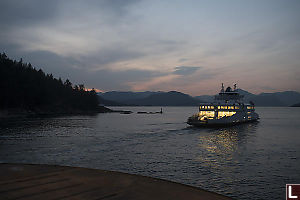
column 227, row 109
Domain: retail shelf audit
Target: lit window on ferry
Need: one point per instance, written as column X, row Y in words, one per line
column 225, row 114
column 237, row 107
column 209, row 114
column 249, row 107
column 212, row 107
column 219, row 107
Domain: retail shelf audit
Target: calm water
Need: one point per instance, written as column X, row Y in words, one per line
column 249, row 161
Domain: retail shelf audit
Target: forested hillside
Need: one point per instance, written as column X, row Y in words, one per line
column 24, row 87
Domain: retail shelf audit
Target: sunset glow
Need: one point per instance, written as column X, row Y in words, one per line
column 138, row 45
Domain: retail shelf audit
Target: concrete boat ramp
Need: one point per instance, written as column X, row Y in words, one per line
column 43, row 182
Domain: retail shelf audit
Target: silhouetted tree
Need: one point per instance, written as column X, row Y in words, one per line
column 22, row 86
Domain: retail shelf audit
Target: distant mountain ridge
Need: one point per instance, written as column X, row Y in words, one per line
column 171, row 98
column 174, row 98
column 106, row 102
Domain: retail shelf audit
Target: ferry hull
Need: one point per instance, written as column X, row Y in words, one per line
column 218, row 124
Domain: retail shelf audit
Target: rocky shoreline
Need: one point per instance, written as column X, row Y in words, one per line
column 19, row 112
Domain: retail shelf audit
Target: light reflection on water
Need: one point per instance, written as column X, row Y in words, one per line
column 248, row 161
column 220, row 150
column 223, row 143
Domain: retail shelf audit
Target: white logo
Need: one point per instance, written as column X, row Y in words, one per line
column 290, row 193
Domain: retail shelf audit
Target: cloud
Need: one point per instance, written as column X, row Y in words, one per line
column 111, row 7
column 14, row 13
column 29, row 12
column 128, row 44
column 185, row 70
column 156, row 84
column 108, row 80
column 190, row 79
column 79, row 71
column 112, row 55
column 182, row 59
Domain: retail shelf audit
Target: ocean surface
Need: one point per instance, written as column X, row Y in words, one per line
column 247, row 161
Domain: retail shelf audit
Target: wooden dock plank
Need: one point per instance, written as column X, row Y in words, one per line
column 24, row 182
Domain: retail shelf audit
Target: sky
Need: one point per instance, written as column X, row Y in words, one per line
column 191, row 46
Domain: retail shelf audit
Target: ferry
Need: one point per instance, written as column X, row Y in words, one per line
column 228, row 108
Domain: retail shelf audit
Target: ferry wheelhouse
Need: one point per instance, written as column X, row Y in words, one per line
column 228, row 108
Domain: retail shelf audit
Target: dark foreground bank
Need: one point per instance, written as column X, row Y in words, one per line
column 56, row 182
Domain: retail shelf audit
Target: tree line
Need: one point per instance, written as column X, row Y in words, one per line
column 24, row 87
